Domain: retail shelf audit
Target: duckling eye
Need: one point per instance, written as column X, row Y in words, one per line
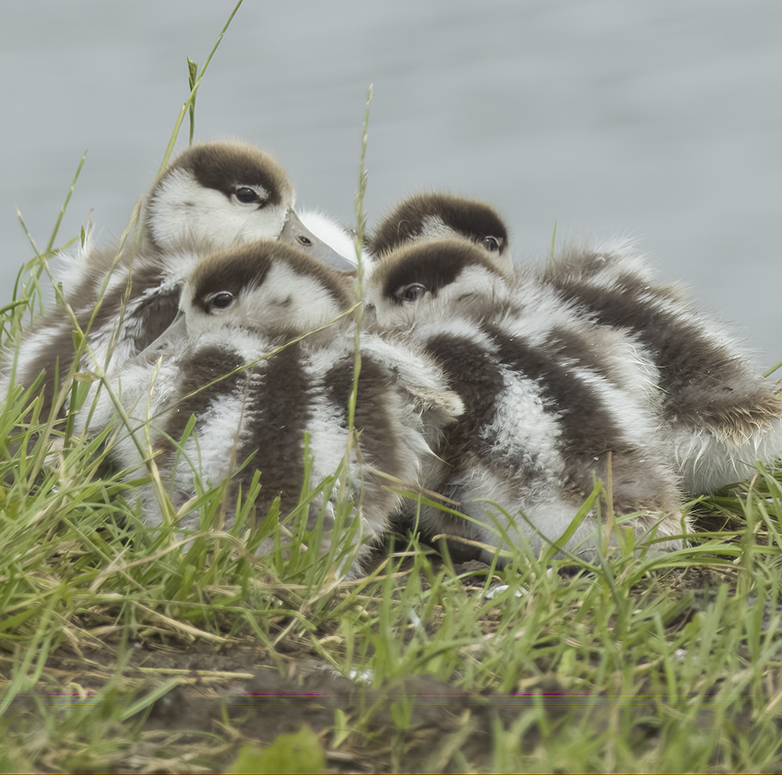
column 492, row 244
column 222, row 300
column 412, row 292
column 306, row 241
column 246, row 195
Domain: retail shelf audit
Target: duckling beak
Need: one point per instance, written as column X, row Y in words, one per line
column 171, row 337
column 296, row 233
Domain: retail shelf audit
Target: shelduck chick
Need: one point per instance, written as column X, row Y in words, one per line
column 442, row 216
column 213, row 195
column 542, row 418
column 720, row 413
column 252, row 400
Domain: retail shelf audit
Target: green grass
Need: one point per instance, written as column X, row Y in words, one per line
column 128, row 647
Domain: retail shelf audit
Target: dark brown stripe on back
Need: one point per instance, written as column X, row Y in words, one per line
column 572, row 345
column 588, row 429
column 278, row 412
column 206, row 365
column 373, row 418
column 473, row 373
column 695, row 374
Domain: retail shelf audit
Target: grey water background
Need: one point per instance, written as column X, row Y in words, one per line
column 660, row 119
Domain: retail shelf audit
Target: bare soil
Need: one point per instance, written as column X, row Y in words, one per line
column 244, row 694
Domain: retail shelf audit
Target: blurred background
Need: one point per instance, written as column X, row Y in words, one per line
column 660, row 119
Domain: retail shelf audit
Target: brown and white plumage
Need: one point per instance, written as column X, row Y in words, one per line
column 240, row 306
column 721, row 415
column 546, row 410
column 213, row 195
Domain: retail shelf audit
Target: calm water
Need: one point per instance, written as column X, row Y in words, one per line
column 661, row 119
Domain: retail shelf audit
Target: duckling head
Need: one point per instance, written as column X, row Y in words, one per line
column 268, row 287
column 432, row 279
column 215, row 195
column 437, row 216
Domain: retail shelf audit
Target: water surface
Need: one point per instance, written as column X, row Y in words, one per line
column 660, row 119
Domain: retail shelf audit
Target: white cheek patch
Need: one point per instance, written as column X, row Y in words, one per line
column 258, row 224
column 291, row 300
column 185, row 212
column 182, row 210
column 474, row 283
column 372, row 298
column 198, row 322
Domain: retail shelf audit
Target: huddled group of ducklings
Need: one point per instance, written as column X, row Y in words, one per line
column 508, row 390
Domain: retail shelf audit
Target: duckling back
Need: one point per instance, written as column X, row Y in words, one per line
column 721, row 415
column 545, row 412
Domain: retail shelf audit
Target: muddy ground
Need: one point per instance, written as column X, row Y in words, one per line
column 243, row 695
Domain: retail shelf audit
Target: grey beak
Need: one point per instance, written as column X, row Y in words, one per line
column 173, row 336
column 299, row 235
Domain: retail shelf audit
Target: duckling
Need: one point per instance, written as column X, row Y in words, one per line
column 544, row 411
column 436, row 216
column 255, row 393
column 721, row 415
column 212, row 195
